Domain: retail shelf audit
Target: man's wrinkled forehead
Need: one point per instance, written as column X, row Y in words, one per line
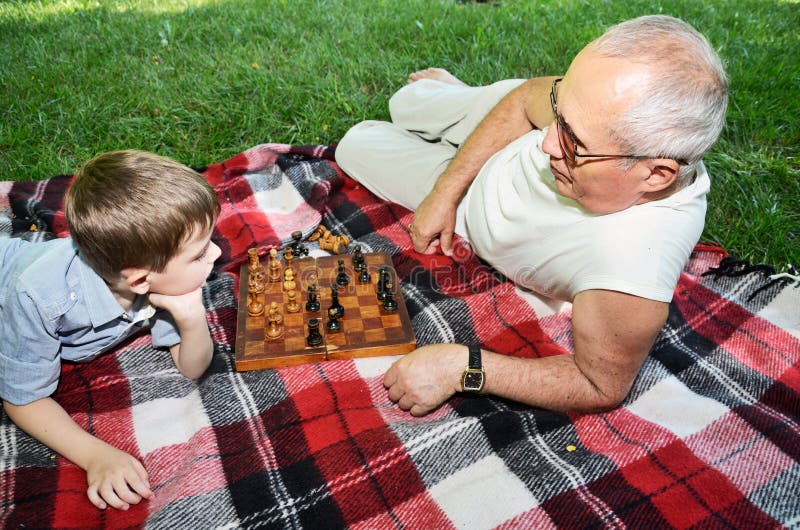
column 611, row 84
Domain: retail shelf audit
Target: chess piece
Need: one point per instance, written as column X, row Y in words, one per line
column 335, row 305
column 274, row 266
column 288, row 280
column 314, row 336
column 389, row 303
column 325, row 239
column 340, row 245
column 255, row 282
column 274, row 330
column 333, row 243
column 383, row 279
column 363, row 276
column 291, row 305
column 333, row 325
column 342, row 278
column 358, row 259
column 254, row 307
column 317, row 233
column 275, row 322
column 255, row 272
column 297, row 246
column 312, row 305
column 255, row 264
column 288, row 257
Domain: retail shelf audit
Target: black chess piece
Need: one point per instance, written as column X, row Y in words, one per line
column 363, row 276
column 312, row 305
column 314, row 336
column 297, row 246
column 342, row 278
column 389, row 303
column 358, row 260
column 333, row 325
column 383, row 279
column 335, row 305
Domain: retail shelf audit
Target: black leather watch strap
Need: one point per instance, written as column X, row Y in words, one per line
column 474, row 357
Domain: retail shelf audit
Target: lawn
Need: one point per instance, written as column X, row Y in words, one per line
column 202, row 80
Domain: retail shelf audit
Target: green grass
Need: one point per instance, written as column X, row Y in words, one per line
column 202, row 80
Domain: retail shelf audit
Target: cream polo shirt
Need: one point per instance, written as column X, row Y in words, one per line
column 516, row 220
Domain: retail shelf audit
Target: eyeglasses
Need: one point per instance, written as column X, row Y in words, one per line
column 569, row 142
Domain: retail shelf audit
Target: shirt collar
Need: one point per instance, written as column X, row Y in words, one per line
column 100, row 302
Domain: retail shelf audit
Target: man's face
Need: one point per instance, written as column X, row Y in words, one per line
column 593, row 94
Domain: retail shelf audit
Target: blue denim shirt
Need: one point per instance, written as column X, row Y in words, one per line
column 53, row 306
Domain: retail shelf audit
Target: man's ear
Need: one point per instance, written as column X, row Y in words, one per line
column 137, row 280
column 662, row 173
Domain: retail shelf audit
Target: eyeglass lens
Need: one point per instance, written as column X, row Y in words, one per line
column 564, row 139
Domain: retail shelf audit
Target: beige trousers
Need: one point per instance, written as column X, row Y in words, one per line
column 400, row 161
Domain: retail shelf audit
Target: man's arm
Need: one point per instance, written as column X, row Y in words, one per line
column 613, row 334
column 523, row 109
column 115, row 478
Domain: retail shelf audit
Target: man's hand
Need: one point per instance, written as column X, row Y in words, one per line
column 433, row 225
column 524, row 108
column 613, row 333
column 426, row 377
column 116, row 478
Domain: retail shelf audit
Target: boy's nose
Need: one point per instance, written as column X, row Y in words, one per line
column 213, row 252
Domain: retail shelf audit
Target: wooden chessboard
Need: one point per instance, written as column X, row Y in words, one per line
column 367, row 329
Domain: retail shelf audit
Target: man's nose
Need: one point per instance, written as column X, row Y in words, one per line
column 550, row 143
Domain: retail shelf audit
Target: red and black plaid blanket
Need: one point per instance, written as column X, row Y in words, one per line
column 709, row 436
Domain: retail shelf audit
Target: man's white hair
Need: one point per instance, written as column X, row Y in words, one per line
column 682, row 108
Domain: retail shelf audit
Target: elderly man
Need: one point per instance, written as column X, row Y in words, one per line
column 587, row 188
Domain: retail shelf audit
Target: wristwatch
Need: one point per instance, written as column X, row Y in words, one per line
column 473, row 377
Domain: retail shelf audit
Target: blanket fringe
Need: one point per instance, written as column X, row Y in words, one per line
column 732, row 267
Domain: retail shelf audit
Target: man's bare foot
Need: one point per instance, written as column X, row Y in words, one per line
column 437, row 74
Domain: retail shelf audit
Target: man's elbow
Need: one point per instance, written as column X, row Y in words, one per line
column 606, row 404
column 603, row 400
column 602, row 392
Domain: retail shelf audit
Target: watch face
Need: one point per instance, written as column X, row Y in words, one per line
column 473, row 380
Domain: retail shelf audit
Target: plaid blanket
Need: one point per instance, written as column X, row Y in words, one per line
column 708, row 437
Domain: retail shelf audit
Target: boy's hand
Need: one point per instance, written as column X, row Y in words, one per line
column 192, row 354
column 117, row 479
column 184, row 307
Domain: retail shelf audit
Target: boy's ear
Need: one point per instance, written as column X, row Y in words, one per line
column 137, row 280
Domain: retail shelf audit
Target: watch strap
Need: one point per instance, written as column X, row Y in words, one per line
column 474, row 357
column 473, row 377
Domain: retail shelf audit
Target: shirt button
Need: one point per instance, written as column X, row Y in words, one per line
column 73, row 296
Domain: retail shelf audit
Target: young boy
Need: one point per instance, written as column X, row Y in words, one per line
column 140, row 227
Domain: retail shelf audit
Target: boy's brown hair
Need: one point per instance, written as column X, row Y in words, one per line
column 136, row 209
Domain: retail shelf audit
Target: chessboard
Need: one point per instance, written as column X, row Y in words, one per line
column 366, row 329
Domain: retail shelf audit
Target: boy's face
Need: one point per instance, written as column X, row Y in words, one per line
column 188, row 269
